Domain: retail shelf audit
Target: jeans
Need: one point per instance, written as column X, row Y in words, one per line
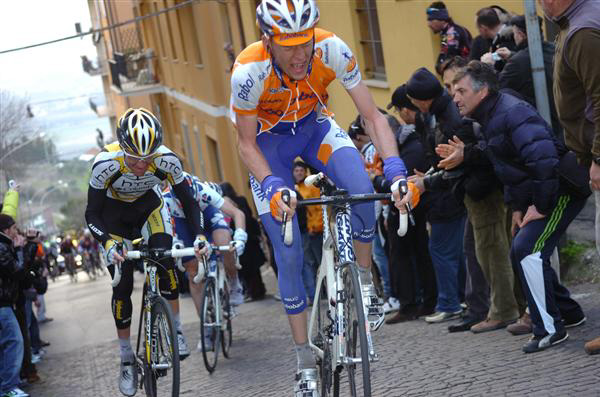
column 381, row 261
column 33, row 327
column 446, row 249
column 11, row 350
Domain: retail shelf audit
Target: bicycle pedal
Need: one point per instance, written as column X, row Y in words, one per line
column 375, row 324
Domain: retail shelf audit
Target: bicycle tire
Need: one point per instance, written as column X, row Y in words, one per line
column 322, row 340
column 163, row 328
column 355, row 331
column 208, row 318
column 227, row 330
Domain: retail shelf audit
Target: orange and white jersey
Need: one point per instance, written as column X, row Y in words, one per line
column 258, row 87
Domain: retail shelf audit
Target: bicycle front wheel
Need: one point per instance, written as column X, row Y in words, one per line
column 210, row 335
column 226, row 328
column 357, row 348
column 163, row 369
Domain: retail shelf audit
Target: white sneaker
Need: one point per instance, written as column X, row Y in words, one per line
column 184, row 350
column 16, row 392
column 306, row 385
column 236, row 293
column 439, row 317
column 391, row 305
column 128, row 379
column 35, row 358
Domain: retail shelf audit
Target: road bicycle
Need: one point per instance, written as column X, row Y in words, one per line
column 216, row 312
column 339, row 330
column 157, row 353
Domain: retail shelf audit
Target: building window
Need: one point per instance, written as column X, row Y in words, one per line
column 189, row 33
column 370, row 35
column 188, row 148
column 169, row 32
column 154, row 27
column 184, row 42
column 198, row 140
column 213, row 153
column 163, row 52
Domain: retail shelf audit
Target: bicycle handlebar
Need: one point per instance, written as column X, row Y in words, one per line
column 286, row 224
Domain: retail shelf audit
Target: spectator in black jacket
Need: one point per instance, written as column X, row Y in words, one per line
column 447, row 215
column 481, row 45
column 517, row 75
column 491, row 28
column 528, row 159
column 487, row 236
column 11, row 339
column 454, row 39
column 409, row 253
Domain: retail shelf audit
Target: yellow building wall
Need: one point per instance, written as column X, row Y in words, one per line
column 408, row 43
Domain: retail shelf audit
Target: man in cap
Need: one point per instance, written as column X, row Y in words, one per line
column 454, row 39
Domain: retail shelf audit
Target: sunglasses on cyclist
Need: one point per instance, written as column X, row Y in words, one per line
column 133, row 160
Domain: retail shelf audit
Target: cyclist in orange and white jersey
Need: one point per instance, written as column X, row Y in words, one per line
column 279, row 105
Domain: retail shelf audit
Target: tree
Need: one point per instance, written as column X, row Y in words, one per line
column 74, row 214
column 20, row 143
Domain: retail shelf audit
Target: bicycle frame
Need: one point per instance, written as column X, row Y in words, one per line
column 338, row 243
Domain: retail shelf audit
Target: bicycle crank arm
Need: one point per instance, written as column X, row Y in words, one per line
column 161, row 366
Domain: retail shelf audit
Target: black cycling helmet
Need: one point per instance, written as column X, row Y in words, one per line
column 139, row 132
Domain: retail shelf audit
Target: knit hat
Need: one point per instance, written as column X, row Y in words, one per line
column 6, row 221
column 400, row 100
column 423, row 85
column 440, row 14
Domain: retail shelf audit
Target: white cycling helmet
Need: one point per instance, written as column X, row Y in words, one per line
column 288, row 18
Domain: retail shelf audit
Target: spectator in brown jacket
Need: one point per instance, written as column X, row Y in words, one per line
column 577, row 89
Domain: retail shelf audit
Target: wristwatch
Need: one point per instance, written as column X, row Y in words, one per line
column 596, row 160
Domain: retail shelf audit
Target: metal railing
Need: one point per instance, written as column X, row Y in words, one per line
column 132, row 70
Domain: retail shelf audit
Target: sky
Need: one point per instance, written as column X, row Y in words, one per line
column 53, row 71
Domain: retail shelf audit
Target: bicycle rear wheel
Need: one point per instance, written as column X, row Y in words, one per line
column 162, row 375
column 357, row 349
column 226, row 330
column 210, row 335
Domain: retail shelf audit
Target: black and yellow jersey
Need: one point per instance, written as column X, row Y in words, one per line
column 111, row 179
column 110, row 172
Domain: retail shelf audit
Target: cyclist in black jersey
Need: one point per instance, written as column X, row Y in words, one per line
column 124, row 203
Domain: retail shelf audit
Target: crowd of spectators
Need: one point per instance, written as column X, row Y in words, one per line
column 23, row 283
column 499, row 184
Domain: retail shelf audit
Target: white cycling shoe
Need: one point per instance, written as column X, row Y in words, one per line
column 306, row 385
column 128, row 379
column 184, row 350
column 373, row 306
column 236, row 292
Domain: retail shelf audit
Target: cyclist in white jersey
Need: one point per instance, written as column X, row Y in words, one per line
column 213, row 205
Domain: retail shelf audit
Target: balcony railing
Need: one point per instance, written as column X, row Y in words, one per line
column 133, row 73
